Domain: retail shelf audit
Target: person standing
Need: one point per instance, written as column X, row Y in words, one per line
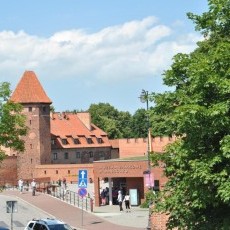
column 64, row 183
column 120, row 200
column 127, row 202
column 20, row 185
column 103, row 197
column 33, row 186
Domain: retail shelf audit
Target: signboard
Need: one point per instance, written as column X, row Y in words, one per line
column 11, row 206
column 149, row 180
column 82, row 178
column 134, row 197
column 82, row 192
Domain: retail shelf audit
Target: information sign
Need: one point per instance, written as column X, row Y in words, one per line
column 82, row 178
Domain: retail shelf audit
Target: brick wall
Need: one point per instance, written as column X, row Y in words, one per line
column 138, row 147
column 8, row 171
column 159, row 221
column 60, row 171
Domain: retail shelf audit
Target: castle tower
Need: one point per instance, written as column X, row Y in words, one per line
column 36, row 107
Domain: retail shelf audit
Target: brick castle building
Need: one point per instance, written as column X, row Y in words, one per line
column 58, row 145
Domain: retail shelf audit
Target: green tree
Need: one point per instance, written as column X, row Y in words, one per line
column 12, row 122
column 197, row 194
column 115, row 123
column 139, row 124
column 124, row 124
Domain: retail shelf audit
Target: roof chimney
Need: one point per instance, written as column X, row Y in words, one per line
column 85, row 118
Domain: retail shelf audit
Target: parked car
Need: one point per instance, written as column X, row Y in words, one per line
column 4, row 228
column 47, row 224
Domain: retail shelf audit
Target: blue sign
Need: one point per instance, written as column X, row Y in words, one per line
column 82, row 178
column 82, row 192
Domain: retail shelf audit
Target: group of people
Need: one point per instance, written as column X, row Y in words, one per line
column 32, row 185
column 120, row 198
column 126, row 199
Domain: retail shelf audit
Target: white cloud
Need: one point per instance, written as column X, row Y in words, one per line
column 134, row 50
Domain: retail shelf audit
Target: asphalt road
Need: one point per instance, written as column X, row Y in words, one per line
column 25, row 212
column 43, row 205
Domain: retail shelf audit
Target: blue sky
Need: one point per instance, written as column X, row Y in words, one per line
column 86, row 52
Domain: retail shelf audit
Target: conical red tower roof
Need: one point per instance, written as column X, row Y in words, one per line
column 29, row 90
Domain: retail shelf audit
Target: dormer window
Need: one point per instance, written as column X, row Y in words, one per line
column 99, row 140
column 76, row 141
column 89, row 140
column 64, row 141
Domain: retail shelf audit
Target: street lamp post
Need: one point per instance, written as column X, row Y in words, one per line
column 144, row 97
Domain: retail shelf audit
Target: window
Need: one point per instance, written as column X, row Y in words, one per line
column 89, row 140
column 156, row 185
column 91, row 154
column 78, row 155
column 30, row 109
column 38, row 226
column 101, row 155
column 66, row 156
column 56, row 171
column 99, row 140
column 30, row 122
column 45, row 172
column 55, row 156
column 76, row 141
column 52, row 142
column 44, row 108
column 31, row 146
column 68, row 171
column 64, row 141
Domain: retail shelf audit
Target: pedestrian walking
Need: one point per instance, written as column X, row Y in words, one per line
column 127, row 202
column 20, row 185
column 120, row 200
column 33, row 186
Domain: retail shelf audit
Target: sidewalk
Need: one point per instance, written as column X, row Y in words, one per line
column 104, row 217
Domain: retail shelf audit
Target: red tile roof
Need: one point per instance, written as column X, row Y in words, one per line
column 69, row 126
column 29, row 90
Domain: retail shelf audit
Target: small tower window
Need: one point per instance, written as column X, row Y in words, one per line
column 30, row 109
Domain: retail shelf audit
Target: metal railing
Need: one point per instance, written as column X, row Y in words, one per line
column 73, row 198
